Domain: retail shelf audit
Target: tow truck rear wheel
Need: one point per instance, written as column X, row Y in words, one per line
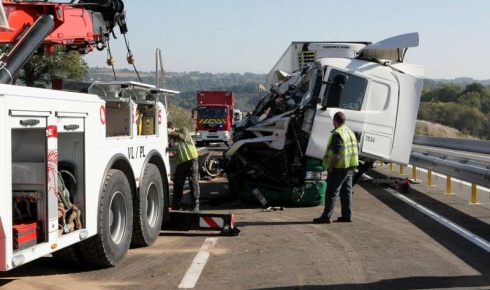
column 68, row 256
column 148, row 208
column 115, row 223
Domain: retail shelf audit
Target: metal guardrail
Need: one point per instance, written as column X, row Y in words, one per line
column 472, row 169
column 477, row 146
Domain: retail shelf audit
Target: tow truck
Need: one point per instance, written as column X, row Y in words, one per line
column 277, row 150
column 85, row 172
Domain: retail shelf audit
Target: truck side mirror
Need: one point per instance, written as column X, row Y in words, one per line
column 194, row 114
column 334, row 91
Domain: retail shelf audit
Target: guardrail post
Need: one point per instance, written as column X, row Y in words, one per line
column 474, row 199
column 391, row 166
column 429, row 177
column 414, row 172
column 401, row 169
column 448, row 184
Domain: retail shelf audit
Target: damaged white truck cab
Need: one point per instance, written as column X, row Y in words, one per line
column 279, row 148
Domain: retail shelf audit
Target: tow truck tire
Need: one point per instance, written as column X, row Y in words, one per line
column 110, row 245
column 68, row 256
column 148, row 208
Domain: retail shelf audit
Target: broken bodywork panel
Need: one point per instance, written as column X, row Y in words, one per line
column 270, row 144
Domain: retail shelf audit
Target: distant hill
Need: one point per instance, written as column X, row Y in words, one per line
column 462, row 81
column 461, row 103
column 244, row 85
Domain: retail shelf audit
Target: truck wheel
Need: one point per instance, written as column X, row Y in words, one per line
column 148, row 208
column 115, row 223
column 68, row 256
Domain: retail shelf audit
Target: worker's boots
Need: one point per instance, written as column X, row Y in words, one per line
column 195, row 207
column 322, row 220
column 176, row 205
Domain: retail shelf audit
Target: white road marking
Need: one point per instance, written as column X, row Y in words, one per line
column 485, row 245
column 194, row 271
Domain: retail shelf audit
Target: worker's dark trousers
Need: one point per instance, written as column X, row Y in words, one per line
column 186, row 169
column 339, row 182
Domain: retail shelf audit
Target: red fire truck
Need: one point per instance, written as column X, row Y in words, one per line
column 214, row 116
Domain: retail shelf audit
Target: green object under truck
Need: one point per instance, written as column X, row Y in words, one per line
column 309, row 193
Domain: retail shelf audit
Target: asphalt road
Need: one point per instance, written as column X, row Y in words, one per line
column 390, row 245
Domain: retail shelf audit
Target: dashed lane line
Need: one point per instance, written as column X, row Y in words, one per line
column 194, row 271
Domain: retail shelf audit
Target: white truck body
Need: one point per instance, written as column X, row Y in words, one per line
column 96, row 133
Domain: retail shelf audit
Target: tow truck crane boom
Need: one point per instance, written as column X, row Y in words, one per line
column 77, row 26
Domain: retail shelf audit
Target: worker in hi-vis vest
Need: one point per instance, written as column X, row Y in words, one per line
column 187, row 166
column 341, row 159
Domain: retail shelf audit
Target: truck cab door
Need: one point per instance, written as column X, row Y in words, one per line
column 370, row 106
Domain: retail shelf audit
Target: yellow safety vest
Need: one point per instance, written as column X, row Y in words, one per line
column 348, row 157
column 186, row 148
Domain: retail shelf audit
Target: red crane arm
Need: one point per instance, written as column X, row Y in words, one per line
column 77, row 26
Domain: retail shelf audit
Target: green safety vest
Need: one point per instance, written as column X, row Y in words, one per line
column 348, row 157
column 185, row 145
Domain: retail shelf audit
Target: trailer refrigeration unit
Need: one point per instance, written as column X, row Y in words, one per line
column 300, row 54
column 278, row 149
column 214, row 116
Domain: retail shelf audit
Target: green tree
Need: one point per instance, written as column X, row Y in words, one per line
column 448, row 93
column 483, row 93
column 471, row 99
column 477, row 88
column 467, row 119
column 40, row 70
column 181, row 117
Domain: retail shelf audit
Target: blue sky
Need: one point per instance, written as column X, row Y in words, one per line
column 250, row 35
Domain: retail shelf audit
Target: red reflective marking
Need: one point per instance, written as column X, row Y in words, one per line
column 3, row 253
column 52, row 131
column 210, row 222
column 102, row 115
column 159, row 116
column 52, row 164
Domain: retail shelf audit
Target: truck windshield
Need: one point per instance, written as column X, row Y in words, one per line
column 212, row 112
column 314, row 82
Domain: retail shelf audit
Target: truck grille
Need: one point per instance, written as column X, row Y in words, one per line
column 212, row 121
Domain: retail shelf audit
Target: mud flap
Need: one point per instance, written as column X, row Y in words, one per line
column 186, row 221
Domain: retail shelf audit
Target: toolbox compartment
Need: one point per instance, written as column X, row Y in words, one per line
column 25, row 235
